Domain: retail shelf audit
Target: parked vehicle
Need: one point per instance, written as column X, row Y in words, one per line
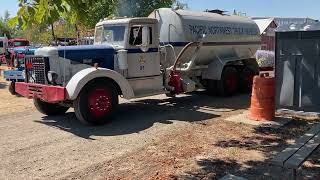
column 171, row 51
column 13, row 76
column 3, row 49
column 17, row 49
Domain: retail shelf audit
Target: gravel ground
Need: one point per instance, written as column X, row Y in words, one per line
column 153, row 138
column 9, row 104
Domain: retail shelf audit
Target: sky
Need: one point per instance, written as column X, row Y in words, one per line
column 272, row 8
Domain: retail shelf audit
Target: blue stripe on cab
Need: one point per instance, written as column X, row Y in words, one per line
column 101, row 54
column 131, row 51
column 214, row 43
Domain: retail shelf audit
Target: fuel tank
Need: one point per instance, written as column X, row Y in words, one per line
column 225, row 37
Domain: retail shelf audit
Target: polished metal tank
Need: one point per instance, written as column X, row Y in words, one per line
column 227, row 37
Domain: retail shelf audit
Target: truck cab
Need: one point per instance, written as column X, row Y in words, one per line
column 18, row 48
column 18, row 42
column 138, row 39
column 125, row 55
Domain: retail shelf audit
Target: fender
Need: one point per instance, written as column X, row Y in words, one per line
column 79, row 80
column 214, row 70
column 252, row 63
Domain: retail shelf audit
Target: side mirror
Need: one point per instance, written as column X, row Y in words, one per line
column 145, row 39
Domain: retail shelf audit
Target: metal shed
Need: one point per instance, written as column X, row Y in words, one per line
column 298, row 68
column 267, row 28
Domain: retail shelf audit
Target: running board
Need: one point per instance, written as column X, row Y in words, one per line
column 142, row 94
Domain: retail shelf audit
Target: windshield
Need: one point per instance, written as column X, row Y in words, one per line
column 19, row 43
column 110, row 34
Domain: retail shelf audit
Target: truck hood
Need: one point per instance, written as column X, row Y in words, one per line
column 24, row 50
column 89, row 54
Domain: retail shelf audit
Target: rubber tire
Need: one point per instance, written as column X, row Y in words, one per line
column 221, row 84
column 211, row 87
column 81, row 103
column 244, row 85
column 49, row 109
column 12, row 88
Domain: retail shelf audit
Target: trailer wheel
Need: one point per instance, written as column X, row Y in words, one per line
column 96, row 102
column 12, row 88
column 246, row 79
column 49, row 109
column 212, row 87
column 228, row 84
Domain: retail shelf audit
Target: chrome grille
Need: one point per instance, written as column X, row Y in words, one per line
column 36, row 69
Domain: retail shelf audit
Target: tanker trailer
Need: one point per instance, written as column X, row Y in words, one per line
column 169, row 52
column 225, row 62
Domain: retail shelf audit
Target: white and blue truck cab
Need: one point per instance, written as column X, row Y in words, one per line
column 169, row 52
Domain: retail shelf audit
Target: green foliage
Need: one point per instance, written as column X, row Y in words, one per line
column 180, row 5
column 96, row 11
column 140, row 8
column 49, row 11
column 239, row 13
column 71, row 17
column 5, row 29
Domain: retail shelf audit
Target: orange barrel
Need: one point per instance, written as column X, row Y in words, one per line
column 263, row 98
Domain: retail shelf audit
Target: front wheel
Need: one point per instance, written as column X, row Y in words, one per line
column 49, row 109
column 12, row 88
column 96, row 102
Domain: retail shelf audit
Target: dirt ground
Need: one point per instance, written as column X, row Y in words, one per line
column 9, row 104
column 150, row 138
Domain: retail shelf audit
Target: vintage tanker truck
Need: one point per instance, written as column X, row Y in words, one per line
column 169, row 52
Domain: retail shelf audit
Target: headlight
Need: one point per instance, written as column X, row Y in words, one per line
column 52, row 77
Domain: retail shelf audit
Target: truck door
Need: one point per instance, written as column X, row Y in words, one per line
column 143, row 60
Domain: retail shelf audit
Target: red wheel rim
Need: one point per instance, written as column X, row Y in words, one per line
column 231, row 82
column 99, row 103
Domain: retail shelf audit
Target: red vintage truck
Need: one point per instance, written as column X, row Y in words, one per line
column 17, row 50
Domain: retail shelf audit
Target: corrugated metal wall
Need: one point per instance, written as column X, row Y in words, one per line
column 298, row 70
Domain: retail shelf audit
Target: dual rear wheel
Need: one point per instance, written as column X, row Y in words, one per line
column 232, row 81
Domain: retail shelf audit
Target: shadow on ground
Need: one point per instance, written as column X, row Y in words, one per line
column 3, row 85
column 139, row 115
column 266, row 140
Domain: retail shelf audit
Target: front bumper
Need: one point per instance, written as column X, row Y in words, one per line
column 13, row 75
column 47, row 93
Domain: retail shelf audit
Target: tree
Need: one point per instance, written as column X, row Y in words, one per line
column 180, row 5
column 47, row 12
column 140, row 8
column 88, row 14
column 5, row 29
column 79, row 14
column 239, row 13
column 38, row 12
